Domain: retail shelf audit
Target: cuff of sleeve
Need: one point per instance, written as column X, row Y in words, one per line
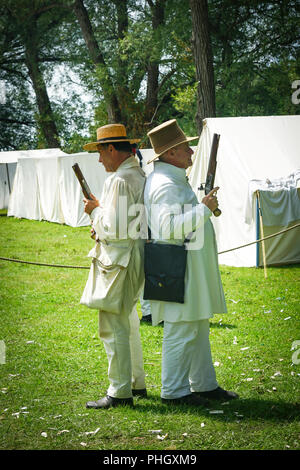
column 94, row 213
column 207, row 211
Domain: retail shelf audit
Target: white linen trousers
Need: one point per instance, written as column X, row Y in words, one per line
column 186, row 359
column 122, row 342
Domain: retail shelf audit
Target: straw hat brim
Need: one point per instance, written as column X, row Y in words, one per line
column 93, row 145
column 187, row 139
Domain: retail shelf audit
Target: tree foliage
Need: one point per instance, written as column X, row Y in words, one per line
column 69, row 66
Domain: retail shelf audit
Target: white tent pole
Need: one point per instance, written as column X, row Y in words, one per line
column 262, row 233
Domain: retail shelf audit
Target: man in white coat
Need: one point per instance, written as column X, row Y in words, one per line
column 118, row 256
column 174, row 214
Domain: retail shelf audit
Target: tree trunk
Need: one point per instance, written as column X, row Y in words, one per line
column 111, row 100
column 206, row 105
column 122, row 88
column 158, row 16
column 46, row 118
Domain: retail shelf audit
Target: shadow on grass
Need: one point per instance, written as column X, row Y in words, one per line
column 222, row 325
column 236, row 410
column 212, row 325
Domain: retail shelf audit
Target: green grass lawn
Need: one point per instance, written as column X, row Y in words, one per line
column 54, row 361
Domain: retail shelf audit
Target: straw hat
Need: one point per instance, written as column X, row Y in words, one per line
column 166, row 136
column 109, row 134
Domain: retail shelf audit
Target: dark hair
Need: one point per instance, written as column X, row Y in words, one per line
column 121, row 146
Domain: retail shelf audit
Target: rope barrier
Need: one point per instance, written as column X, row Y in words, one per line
column 261, row 239
column 87, row 267
column 43, row 264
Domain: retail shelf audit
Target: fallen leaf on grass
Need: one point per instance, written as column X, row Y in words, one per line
column 84, row 444
column 161, row 438
column 277, row 374
column 92, row 432
column 44, row 434
column 63, row 431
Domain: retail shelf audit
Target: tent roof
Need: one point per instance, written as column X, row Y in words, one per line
column 14, row 155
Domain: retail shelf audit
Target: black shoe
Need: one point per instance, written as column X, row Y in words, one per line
column 218, row 394
column 142, row 392
column 147, row 318
column 191, row 399
column 108, row 402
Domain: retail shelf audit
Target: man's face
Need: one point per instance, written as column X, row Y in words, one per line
column 106, row 158
column 182, row 157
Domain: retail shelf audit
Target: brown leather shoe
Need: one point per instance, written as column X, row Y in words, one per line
column 218, row 394
column 109, row 402
column 191, row 399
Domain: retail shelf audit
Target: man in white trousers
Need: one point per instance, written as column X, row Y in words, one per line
column 174, row 214
column 120, row 256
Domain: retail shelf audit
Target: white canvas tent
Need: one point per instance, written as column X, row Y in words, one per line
column 8, row 166
column 250, row 148
column 45, row 187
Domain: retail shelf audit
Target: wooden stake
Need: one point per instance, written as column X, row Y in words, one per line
column 262, row 233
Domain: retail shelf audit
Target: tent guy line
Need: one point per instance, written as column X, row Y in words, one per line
column 88, row 267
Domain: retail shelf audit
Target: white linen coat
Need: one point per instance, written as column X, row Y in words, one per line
column 173, row 212
column 117, row 223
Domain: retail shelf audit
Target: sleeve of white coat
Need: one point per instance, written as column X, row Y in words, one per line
column 177, row 221
column 110, row 221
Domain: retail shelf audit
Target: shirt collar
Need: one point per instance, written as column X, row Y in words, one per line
column 170, row 170
column 129, row 163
